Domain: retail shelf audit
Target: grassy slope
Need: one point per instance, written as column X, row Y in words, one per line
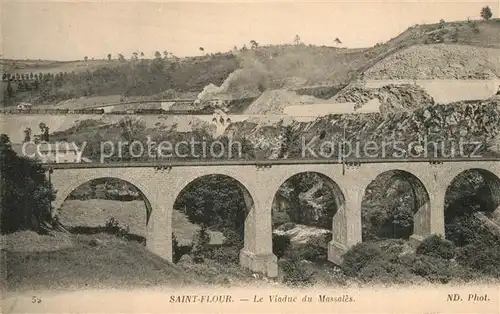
column 112, row 263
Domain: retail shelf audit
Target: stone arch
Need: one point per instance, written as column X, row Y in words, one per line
column 64, row 189
column 248, row 199
column 485, row 185
column 338, row 224
column 420, row 200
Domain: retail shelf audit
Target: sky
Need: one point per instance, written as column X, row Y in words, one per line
column 70, row 30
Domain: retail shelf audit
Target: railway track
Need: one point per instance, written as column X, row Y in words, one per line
column 102, row 111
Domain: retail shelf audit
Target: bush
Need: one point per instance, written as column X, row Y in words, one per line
column 384, row 271
column 280, row 244
column 26, row 192
column 482, row 257
column 296, row 273
column 280, row 218
column 467, row 229
column 433, row 268
column 436, row 246
column 312, row 252
column 175, row 249
column 202, row 238
column 224, row 254
column 233, row 237
column 359, row 256
column 112, row 226
column 229, row 252
column 393, row 248
column 178, row 250
column 287, row 226
column 402, row 222
column 316, row 249
column 200, row 244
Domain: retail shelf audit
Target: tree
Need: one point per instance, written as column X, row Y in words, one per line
column 165, row 54
column 214, row 201
column 43, row 128
column 45, row 136
column 26, row 192
column 86, row 58
column 121, row 57
column 157, row 54
column 201, row 49
column 296, row 40
column 135, row 56
column 253, row 44
column 337, row 41
column 486, row 13
column 109, row 57
column 27, row 135
column 10, row 90
column 142, row 54
column 130, row 130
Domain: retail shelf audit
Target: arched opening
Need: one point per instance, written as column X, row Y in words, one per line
column 208, row 220
column 395, row 205
column 472, row 207
column 107, row 205
column 306, row 217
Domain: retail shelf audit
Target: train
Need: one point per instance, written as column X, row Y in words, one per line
column 51, row 111
column 208, row 108
column 101, row 111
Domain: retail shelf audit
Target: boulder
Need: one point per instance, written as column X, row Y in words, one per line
column 96, row 242
column 302, row 234
column 185, row 259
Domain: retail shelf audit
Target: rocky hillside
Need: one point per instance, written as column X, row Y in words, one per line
column 439, row 61
column 472, row 121
column 274, row 101
column 392, row 98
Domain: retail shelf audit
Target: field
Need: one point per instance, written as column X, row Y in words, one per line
column 48, row 66
column 96, row 212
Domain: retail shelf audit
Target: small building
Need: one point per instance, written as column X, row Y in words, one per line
column 24, row 106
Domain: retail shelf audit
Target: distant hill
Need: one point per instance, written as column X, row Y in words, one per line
column 48, row 66
column 319, row 71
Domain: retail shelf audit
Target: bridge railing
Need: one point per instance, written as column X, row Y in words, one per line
column 246, row 162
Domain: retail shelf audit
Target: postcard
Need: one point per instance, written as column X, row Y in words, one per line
column 250, row 157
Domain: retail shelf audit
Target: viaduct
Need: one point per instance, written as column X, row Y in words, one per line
column 160, row 184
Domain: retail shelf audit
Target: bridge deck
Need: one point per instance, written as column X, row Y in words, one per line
column 244, row 162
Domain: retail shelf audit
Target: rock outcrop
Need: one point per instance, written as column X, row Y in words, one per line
column 438, row 61
column 391, row 97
